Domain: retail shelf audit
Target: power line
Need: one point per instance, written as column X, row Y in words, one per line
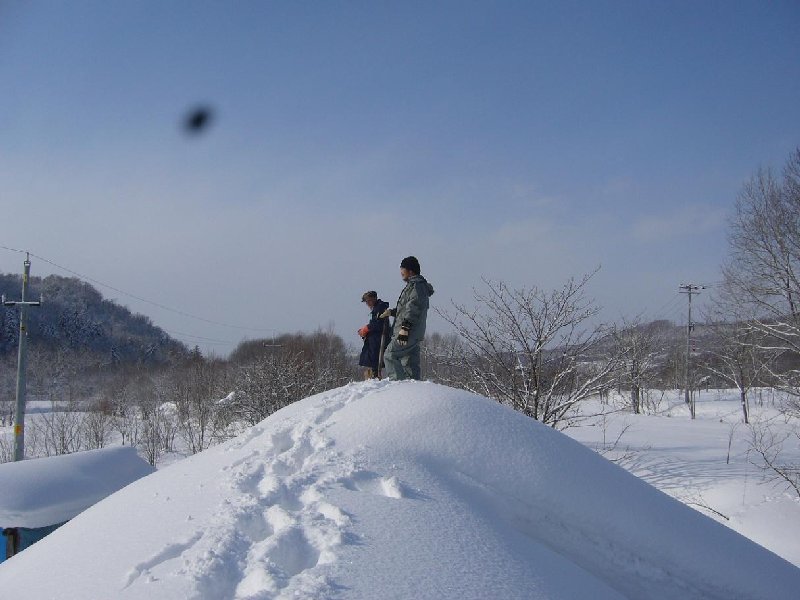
column 200, row 338
column 676, row 315
column 13, row 249
column 664, row 307
column 136, row 297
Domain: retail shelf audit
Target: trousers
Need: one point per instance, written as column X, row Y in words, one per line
column 403, row 362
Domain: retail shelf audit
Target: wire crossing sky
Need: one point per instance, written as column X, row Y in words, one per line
column 523, row 141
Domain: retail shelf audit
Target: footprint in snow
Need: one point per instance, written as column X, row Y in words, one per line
column 373, row 483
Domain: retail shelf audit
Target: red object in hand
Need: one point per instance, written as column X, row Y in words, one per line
column 363, row 331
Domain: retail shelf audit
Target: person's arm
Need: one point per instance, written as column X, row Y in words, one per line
column 376, row 322
column 414, row 306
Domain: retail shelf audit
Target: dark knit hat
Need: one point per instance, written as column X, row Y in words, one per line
column 411, row 263
column 371, row 294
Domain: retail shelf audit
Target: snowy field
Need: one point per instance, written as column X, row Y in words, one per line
column 692, row 461
column 413, row 490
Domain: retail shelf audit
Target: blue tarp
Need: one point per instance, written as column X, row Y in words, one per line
column 27, row 537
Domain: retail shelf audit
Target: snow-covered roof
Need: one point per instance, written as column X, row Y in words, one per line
column 46, row 491
column 396, row 490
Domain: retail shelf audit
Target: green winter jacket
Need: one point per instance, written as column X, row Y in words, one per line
column 412, row 308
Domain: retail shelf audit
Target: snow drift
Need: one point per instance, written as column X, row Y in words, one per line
column 396, row 490
column 46, row 491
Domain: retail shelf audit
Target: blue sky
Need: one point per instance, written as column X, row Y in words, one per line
column 523, row 141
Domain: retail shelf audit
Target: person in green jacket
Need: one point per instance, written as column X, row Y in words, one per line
column 402, row 357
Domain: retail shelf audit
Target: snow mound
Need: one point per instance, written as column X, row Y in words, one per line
column 47, row 491
column 396, row 490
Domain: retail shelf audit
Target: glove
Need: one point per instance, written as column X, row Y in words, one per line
column 402, row 338
column 363, row 331
column 389, row 312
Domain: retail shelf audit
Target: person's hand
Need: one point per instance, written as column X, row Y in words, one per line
column 402, row 338
column 363, row 331
column 387, row 313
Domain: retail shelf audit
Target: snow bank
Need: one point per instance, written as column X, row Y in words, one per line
column 396, row 490
column 47, row 491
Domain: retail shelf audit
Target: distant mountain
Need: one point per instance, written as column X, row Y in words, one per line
column 74, row 316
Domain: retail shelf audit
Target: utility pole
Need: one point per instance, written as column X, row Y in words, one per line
column 19, row 414
column 689, row 289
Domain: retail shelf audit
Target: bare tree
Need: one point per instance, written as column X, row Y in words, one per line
column 269, row 384
column 8, row 383
column 734, row 357
column 157, row 418
column 272, row 373
column 98, row 425
column 151, row 441
column 768, row 446
column 125, row 417
column 443, row 359
column 762, row 278
column 532, row 349
column 195, row 390
column 62, row 429
column 761, row 291
column 158, row 430
column 637, row 350
column 6, row 449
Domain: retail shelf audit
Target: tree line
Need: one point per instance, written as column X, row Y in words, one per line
column 196, row 400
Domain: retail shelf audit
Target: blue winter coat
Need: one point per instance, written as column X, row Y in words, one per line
column 370, row 353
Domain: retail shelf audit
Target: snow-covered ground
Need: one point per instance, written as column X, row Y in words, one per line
column 707, row 462
column 405, row 490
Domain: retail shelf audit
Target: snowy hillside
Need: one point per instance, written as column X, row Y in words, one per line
column 396, row 490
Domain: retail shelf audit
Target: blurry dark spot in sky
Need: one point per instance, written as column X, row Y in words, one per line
column 198, row 119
